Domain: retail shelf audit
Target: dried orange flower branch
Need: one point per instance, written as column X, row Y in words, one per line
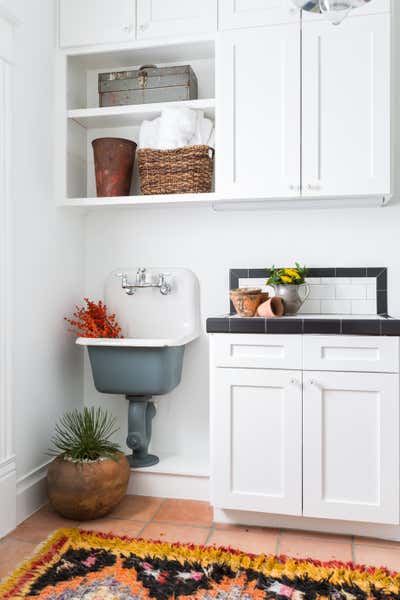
column 92, row 321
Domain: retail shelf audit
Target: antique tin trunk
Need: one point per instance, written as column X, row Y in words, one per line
column 147, row 84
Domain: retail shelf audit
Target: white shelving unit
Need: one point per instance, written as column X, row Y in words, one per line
column 225, row 202
column 133, row 115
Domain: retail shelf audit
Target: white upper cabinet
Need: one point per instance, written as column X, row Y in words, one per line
column 256, row 440
column 258, row 104
column 234, row 14
column 351, row 446
column 346, row 107
column 167, row 18
column 87, row 22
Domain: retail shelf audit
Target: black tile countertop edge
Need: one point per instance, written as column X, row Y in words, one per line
column 388, row 326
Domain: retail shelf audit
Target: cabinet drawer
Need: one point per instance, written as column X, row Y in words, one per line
column 351, row 353
column 257, row 351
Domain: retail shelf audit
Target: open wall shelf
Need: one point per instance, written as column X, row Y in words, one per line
column 133, row 115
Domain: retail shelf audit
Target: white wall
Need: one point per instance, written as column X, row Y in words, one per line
column 210, row 243
column 48, row 247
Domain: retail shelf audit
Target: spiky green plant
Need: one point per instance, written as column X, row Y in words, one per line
column 84, row 435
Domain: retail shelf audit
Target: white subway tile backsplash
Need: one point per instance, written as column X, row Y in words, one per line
column 338, row 307
column 320, row 292
column 335, row 280
column 311, row 307
column 371, row 292
column 332, row 295
column 351, row 292
column 363, row 307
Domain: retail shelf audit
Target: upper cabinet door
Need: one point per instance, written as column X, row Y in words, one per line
column 258, row 103
column 351, row 446
column 234, row 14
column 346, row 107
column 166, row 18
column 87, row 22
column 256, row 440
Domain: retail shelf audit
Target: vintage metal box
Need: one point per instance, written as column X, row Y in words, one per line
column 147, row 84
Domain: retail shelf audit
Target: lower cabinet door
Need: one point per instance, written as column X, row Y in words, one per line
column 256, row 431
column 351, row 446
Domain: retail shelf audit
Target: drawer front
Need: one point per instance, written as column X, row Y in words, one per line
column 351, row 353
column 257, row 351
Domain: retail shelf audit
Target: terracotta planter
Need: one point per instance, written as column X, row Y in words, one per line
column 113, row 160
column 273, row 307
column 85, row 491
column 247, row 300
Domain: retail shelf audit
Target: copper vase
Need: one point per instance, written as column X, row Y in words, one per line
column 113, row 160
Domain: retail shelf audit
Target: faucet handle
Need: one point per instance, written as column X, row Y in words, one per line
column 165, row 288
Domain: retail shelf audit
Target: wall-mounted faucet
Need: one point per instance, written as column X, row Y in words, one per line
column 142, row 282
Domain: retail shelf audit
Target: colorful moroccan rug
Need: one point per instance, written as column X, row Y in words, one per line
column 82, row 565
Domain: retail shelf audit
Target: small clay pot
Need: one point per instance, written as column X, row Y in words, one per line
column 273, row 307
column 84, row 491
column 247, row 300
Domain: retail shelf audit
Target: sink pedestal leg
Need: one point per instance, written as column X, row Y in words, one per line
column 140, row 415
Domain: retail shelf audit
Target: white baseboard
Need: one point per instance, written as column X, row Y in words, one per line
column 384, row 532
column 166, row 485
column 31, row 492
column 8, row 485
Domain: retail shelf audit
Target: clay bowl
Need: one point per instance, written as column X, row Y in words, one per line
column 247, row 300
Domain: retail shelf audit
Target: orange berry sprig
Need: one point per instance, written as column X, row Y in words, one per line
column 92, row 321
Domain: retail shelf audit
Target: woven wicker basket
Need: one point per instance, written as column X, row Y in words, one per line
column 186, row 170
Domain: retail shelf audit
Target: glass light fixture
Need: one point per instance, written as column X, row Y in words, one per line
column 335, row 10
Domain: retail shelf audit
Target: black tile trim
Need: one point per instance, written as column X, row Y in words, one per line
column 386, row 327
column 322, row 326
column 249, row 325
column 284, row 326
column 361, row 327
column 217, row 325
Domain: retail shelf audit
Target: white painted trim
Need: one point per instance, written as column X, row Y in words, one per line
column 31, row 492
column 8, row 477
column 384, row 532
column 164, row 485
column 7, row 455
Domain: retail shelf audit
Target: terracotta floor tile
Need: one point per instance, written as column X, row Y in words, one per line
column 166, row 532
column 319, row 547
column 190, row 512
column 378, row 557
column 12, row 553
column 140, row 508
column 39, row 526
column 255, row 540
column 115, row 526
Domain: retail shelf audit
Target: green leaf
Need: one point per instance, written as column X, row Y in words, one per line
column 85, row 435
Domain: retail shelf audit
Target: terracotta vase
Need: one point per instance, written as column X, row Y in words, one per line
column 87, row 490
column 247, row 300
column 113, row 160
column 271, row 308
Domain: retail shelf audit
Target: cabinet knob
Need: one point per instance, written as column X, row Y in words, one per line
column 144, row 27
column 293, row 382
column 294, row 188
column 313, row 187
column 314, row 383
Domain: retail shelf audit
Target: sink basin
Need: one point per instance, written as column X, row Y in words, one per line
column 136, row 371
column 149, row 360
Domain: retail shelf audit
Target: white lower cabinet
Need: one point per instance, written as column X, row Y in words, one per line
column 317, row 443
column 351, row 446
column 257, row 441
